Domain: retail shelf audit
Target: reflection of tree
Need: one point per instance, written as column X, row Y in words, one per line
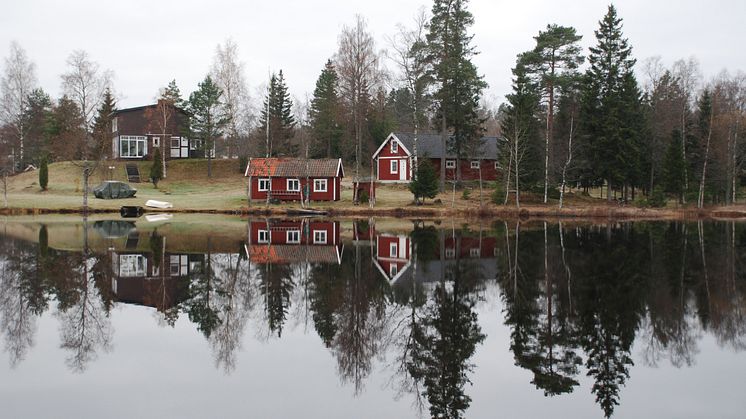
column 233, row 303
column 200, row 306
column 325, row 294
column 276, row 284
column 610, row 308
column 85, row 327
column 447, row 340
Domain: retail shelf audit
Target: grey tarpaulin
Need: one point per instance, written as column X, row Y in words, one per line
column 114, row 190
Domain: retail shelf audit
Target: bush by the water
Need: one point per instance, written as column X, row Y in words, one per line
column 44, row 174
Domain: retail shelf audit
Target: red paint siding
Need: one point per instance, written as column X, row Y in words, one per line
column 467, row 173
column 279, row 189
column 384, row 162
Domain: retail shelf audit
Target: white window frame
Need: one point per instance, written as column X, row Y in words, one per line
column 394, row 166
column 450, row 253
column 133, row 266
column 295, row 182
column 265, row 182
column 319, row 236
column 292, row 236
column 475, row 252
column 450, row 164
column 262, row 236
column 394, row 146
column 178, row 142
column 393, row 270
column 141, row 145
column 157, row 142
column 318, row 183
column 497, row 165
column 394, row 250
column 475, row 164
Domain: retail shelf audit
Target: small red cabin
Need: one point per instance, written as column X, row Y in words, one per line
column 291, row 179
column 294, row 241
column 395, row 156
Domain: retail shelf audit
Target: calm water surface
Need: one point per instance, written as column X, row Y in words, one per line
column 226, row 317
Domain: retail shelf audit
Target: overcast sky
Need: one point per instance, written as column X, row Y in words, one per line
column 148, row 43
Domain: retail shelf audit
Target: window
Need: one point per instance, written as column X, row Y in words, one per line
column 131, row 146
column 394, row 166
column 475, row 164
column 263, row 185
column 263, row 236
column 132, row 265
column 319, row 185
column 474, row 252
column 450, row 164
column 319, row 236
column 156, row 141
column 393, row 270
column 497, row 165
column 175, row 142
column 114, row 124
column 450, row 253
column 293, row 236
column 393, row 250
column 293, row 185
column 394, row 147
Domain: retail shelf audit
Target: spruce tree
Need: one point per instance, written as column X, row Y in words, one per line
column 277, row 111
column 207, row 120
column 425, row 183
column 326, row 128
column 459, row 85
column 674, row 167
column 172, row 94
column 610, row 100
column 102, row 125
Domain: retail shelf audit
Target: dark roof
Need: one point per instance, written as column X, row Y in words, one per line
column 140, row 108
column 429, row 144
column 288, row 167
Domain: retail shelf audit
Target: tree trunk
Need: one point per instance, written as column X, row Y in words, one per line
column 701, row 199
column 683, row 154
column 443, row 133
column 507, row 179
column 567, row 163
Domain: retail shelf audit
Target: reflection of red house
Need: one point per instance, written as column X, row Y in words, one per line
column 395, row 155
column 293, row 241
column 295, row 179
column 393, row 254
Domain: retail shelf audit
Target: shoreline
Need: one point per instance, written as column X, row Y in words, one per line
column 524, row 213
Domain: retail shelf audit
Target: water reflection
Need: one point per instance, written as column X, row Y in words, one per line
column 575, row 297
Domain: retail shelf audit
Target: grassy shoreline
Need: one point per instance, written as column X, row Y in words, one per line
column 191, row 192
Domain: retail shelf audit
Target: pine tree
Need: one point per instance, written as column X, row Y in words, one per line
column 326, row 128
column 425, row 183
column 207, row 120
column 34, row 119
column 553, row 63
column 156, row 170
column 277, row 110
column 459, row 85
column 608, row 103
column 172, row 94
column 102, row 125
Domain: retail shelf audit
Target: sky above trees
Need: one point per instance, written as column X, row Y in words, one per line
column 147, row 44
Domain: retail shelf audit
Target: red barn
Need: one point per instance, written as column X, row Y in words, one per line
column 394, row 157
column 292, row 179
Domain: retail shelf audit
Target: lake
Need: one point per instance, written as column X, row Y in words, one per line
column 202, row 316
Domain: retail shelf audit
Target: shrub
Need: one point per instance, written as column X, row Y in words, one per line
column 657, row 198
column 466, row 194
column 44, row 174
column 156, row 169
column 363, row 197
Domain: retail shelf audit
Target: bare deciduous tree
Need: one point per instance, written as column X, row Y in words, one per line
column 228, row 72
column 358, row 67
column 16, row 84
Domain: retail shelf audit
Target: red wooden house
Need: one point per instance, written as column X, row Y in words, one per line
column 292, row 179
column 393, row 255
column 394, row 158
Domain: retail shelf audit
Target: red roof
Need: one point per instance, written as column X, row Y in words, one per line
column 298, row 168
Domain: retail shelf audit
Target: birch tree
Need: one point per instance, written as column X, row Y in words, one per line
column 358, row 69
column 18, row 81
column 228, row 73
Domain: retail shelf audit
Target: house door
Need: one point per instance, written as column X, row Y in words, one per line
column 402, row 169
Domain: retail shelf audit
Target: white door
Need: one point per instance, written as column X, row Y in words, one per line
column 402, row 170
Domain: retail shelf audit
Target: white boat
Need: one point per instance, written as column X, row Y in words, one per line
column 152, row 203
column 152, row 218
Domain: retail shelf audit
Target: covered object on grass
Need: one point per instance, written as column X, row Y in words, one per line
column 112, row 189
